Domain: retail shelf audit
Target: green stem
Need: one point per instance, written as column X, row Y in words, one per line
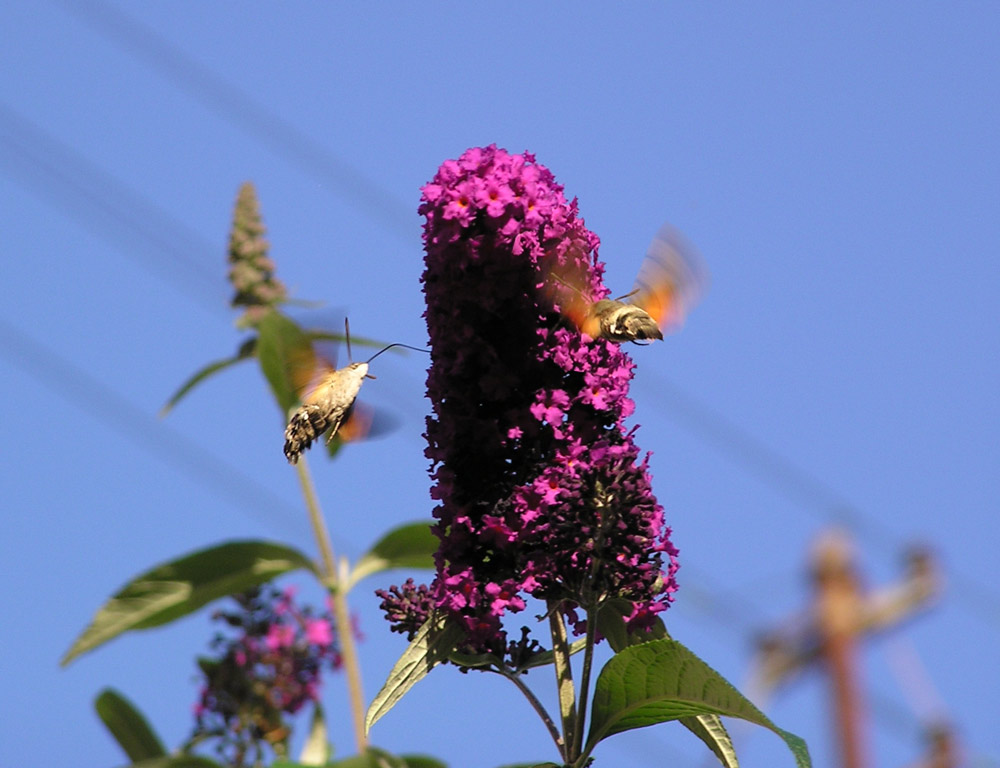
column 564, row 680
column 588, row 663
column 537, row 705
column 341, row 613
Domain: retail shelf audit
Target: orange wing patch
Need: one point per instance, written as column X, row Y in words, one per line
column 671, row 279
column 567, row 286
column 310, row 373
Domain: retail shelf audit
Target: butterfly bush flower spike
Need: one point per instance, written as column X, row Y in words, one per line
column 251, row 271
column 541, row 490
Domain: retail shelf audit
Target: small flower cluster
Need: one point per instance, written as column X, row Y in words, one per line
column 540, row 486
column 250, row 270
column 270, row 669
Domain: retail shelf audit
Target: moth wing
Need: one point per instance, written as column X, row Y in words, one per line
column 567, row 284
column 671, row 279
column 358, row 423
column 310, row 373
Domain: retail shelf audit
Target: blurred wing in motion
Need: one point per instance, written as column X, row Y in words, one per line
column 671, row 280
column 310, row 372
column 567, row 286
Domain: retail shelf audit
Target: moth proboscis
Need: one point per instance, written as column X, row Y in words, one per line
column 670, row 281
column 328, row 397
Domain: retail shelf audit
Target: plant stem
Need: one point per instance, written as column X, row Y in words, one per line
column 341, row 613
column 564, row 681
column 588, row 662
column 537, row 705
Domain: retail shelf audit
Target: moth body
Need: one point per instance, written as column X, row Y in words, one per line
column 619, row 321
column 324, row 408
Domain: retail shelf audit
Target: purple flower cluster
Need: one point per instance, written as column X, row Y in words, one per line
column 270, row 669
column 540, row 487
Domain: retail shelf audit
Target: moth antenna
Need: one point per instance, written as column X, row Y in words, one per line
column 628, row 295
column 347, row 335
column 397, row 344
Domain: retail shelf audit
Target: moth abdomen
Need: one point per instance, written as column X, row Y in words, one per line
column 306, row 424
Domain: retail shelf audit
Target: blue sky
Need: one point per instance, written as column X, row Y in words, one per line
column 837, row 167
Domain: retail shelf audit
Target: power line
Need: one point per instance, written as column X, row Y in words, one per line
column 47, row 167
column 271, row 129
column 79, row 387
column 796, row 483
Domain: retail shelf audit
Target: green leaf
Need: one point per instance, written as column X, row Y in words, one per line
column 316, row 750
column 245, row 353
column 709, row 729
column 128, row 726
column 372, row 758
column 409, row 546
column 549, row 657
column 281, row 344
column 475, row 661
column 177, row 761
column 423, row 761
column 662, row 680
column 432, row 644
column 182, row 586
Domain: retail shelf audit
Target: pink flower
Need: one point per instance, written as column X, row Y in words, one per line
column 318, row 632
column 280, row 636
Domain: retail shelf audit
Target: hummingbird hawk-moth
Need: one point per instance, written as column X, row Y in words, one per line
column 328, row 397
column 325, row 405
column 669, row 283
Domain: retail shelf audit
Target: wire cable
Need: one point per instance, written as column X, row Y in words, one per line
column 280, row 135
column 797, row 484
column 173, row 448
column 48, row 168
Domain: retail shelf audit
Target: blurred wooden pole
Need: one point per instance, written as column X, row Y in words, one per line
column 842, row 617
column 838, row 610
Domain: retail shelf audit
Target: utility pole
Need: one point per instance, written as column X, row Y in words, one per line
column 838, row 608
column 842, row 616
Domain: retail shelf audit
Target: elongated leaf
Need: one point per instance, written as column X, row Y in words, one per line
column 409, row 546
column 548, row 657
column 281, row 344
column 245, row 353
column 373, row 757
column 709, row 729
column 180, row 587
column 316, row 750
column 432, row 644
column 128, row 726
column 177, row 761
column 423, row 761
column 662, row 680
